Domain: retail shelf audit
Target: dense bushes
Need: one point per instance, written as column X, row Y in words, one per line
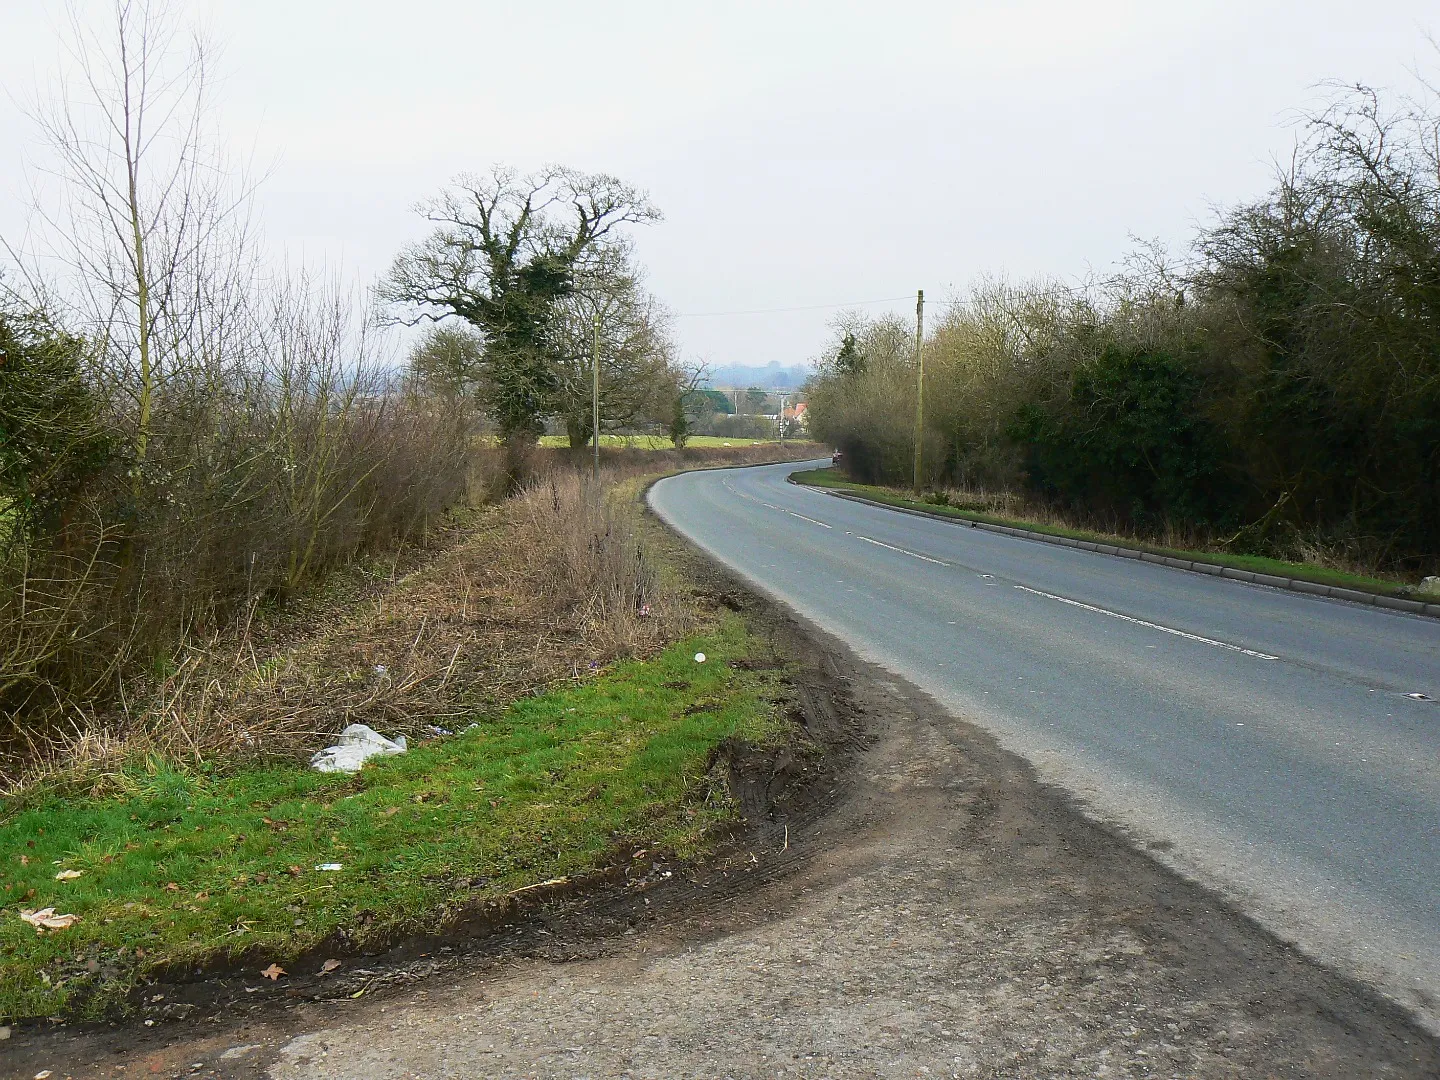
column 51, row 434
column 187, row 427
column 261, row 470
column 1132, row 441
column 1277, row 392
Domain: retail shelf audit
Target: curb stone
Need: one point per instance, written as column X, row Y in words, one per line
column 1296, row 585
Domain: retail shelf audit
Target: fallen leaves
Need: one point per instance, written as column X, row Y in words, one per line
column 328, row 966
column 69, row 875
column 273, row 972
column 46, row 919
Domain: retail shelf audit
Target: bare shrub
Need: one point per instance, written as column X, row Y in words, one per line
column 511, row 598
column 586, row 562
column 295, row 454
column 243, row 432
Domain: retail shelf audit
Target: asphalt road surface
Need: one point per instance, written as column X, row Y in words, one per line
column 1262, row 742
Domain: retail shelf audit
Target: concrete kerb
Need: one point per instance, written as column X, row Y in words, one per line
column 1308, row 588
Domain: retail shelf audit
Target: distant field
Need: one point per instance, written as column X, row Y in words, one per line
column 656, row 442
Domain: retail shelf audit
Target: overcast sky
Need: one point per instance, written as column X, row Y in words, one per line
column 803, row 153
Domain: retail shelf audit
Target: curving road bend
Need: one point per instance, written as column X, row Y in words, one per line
column 1259, row 741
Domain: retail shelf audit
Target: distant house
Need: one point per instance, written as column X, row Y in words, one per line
column 797, row 414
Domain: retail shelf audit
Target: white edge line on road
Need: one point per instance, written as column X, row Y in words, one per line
column 902, row 551
column 1150, row 625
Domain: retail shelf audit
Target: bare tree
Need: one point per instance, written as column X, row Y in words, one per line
column 151, row 225
column 505, row 249
column 686, row 404
column 637, row 367
column 447, row 361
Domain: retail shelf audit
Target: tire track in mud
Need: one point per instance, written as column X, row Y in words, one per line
column 910, row 899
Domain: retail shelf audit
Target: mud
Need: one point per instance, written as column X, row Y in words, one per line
column 908, row 902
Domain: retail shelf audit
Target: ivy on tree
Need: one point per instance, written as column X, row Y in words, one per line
column 505, row 249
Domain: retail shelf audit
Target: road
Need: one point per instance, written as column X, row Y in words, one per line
column 916, row 903
column 1258, row 741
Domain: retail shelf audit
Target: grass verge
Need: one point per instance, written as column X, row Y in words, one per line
column 1259, row 564
column 185, row 869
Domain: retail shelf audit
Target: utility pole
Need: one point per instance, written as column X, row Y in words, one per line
column 595, row 396
column 782, row 418
column 919, row 381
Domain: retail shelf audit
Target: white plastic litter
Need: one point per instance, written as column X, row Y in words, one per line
column 699, row 658
column 357, row 744
column 46, row 919
column 329, row 866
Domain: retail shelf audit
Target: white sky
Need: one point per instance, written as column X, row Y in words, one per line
column 804, row 153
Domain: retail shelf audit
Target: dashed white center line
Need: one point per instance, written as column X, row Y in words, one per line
column 1149, row 625
column 902, row 551
column 802, row 517
column 772, row 506
column 1024, row 588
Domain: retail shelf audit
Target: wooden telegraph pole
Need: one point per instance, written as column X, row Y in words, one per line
column 595, row 396
column 919, row 381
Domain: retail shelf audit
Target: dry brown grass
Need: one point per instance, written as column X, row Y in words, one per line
column 509, row 599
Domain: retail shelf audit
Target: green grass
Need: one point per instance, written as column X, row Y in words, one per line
column 655, row 442
column 185, row 869
column 1259, row 564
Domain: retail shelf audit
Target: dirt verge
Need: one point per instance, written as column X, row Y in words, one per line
column 912, row 903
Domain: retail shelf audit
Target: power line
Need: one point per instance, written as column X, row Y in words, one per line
column 1012, row 294
column 773, row 311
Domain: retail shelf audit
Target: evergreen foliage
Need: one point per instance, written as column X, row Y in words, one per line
column 1279, row 390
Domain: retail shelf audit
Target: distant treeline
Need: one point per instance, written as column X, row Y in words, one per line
column 1277, row 390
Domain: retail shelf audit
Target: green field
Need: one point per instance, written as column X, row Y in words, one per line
column 187, row 868
column 655, row 442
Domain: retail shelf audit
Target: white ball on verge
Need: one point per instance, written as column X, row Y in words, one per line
column 699, row 658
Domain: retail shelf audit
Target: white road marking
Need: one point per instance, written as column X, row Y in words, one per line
column 772, row 506
column 902, row 551
column 802, row 517
column 1150, row 625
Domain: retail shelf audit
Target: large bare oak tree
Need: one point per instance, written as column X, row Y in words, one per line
column 505, row 249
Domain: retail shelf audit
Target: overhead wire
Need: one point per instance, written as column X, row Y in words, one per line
column 801, row 307
column 1070, row 290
